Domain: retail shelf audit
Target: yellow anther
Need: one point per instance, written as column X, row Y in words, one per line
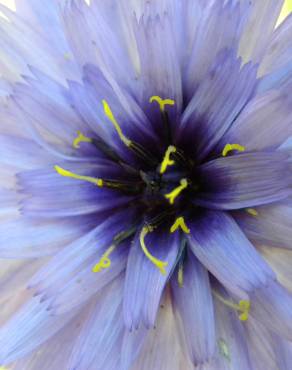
column 242, row 308
column 161, row 102
column 105, row 261
column 61, row 171
column 252, row 212
column 180, row 222
column 111, row 117
column 80, row 139
column 159, row 264
column 166, row 160
column 176, row 192
column 180, row 275
column 230, row 147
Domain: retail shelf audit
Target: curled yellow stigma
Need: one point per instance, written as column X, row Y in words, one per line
column 80, row 139
column 111, row 117
column 243, row 307
column 180, row 275
column 166, row 160
column 180, row 223
column 159, row 264
column 230, row 147
column 176, row 192
column 252, row 212
column 104, row 262
column 161, row 102
column 61, row 171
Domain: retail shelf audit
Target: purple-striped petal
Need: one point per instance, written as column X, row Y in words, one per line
column 244, row 180
column 195, row 308
column 144, row 282
column 98, row 344
column 271, row 226
column 223, row 249
column 215, row 105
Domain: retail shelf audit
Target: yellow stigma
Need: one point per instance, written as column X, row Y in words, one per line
column 80, row 139
column 166, row 160
column 161, row 102
column 243, row 307
column 176, row 192
column 159, row 264
column 230, row 147
column 180, row 275
column 180, row 222
column 104, row 262
column 61, row 171
column 111, row 117
column 252, row 212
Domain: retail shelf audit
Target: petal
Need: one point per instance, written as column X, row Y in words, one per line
column 195, row 307
column 133, row 342
column 23, row 238
column 144, row 282
column 276, row 66
column 272, row 225
column 98, row 344
column 66, row 196
column 223, row 249
column 232, row 342
column 70, row 270
column 215, row 105
column 162, row 351
column 254, row 41
column 274, row 109
column 160, row 70
column 31, row 326
column 233, row 182
column 218, row 28
column 271, row 304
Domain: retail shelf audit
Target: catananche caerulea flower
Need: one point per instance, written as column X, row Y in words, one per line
column 146, row 185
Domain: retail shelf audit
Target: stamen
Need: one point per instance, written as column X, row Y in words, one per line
column 176, row 192
column 61, row 171
column 180, row 222
column 105, row 261
column 167, row 161
column 161, row 102
column 180, row 275
column 111, row 117
column 159, row 264
column 80, row 139
column 230, row 147
column 252, row 212
column 243, row 307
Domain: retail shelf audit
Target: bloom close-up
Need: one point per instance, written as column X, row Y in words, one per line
column 146, row 185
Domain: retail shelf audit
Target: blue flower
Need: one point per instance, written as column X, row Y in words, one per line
column 146, row 218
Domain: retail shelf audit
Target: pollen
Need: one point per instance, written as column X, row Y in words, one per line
column 104, row 262
column 80, row 139
column 61, row 171
column 108, row 112
column 252, row 212
column 180, row 223
column 166, row 160
column 176, row 192
column 159, row 264
column 161, row 102
column 230, row 147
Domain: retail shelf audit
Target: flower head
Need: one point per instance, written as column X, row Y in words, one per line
column 147, row 198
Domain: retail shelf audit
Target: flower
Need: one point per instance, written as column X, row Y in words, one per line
column 146, row 187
